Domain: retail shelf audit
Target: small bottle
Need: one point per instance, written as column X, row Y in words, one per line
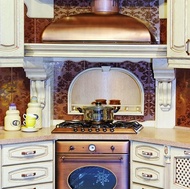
column 12, row 120
column 35, row 108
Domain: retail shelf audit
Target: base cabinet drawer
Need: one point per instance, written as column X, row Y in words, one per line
column 39, row 186
column 150, row 175
column 27, row 152
column 140, row 186
column 148, row 153
column 27, row 174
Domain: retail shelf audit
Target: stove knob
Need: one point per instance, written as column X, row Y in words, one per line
column 90, row 129
column 112, row 148
column 97, row 130
column 82, row 129
column 104, row 129
column 112, row 130
column 71, row 148
column 92, row 147
column 75, row 129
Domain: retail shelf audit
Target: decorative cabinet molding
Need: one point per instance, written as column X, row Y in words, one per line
column 11, row 32
column 178, row 47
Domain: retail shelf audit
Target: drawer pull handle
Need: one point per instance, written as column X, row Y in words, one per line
column 28, row 175
column 147, row 176
column 187, row 152
column 28, row 153
column 147, row 153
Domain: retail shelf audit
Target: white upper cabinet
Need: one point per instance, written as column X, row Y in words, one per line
column 178, row 44
column 11, row 30
column 40, row 8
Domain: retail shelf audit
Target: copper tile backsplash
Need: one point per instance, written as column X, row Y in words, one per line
column 15, row 88
column 183, row 97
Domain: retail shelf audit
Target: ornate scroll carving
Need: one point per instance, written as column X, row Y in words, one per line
column 164, row 76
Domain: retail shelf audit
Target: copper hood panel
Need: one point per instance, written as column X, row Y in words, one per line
column 91, row 28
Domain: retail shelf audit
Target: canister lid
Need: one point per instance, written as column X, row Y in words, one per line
column 12, row 106
column 34, row 99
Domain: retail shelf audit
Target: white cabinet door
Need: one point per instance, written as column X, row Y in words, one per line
column 180, row 168
column 178, row 44
column 11, row 28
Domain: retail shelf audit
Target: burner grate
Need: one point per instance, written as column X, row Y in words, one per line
column 104, row 127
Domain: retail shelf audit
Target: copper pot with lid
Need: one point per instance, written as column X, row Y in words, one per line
column 98, row 114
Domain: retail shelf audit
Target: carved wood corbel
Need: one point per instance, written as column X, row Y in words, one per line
column 38, row 71
column 165, row 95
column 164, row 77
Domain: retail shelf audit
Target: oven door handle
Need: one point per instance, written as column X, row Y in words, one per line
column 94, row 157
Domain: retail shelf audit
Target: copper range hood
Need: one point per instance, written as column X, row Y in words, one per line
column 103, row 25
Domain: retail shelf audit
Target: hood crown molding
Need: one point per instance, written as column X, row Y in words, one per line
column 95, row 50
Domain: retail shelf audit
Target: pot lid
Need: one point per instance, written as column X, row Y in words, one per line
column 100, row 28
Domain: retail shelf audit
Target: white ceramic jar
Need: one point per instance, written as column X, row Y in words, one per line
column 34, row 107
column 12, row 120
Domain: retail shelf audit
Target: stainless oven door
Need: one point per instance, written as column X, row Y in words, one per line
column 92, row 171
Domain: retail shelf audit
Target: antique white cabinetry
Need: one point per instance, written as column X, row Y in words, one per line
column 178, row 44
column 11, row 32
column 28, row 165
column 180, row 167
column 148, row 169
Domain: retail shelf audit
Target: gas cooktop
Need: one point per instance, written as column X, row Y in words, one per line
column 119, row 127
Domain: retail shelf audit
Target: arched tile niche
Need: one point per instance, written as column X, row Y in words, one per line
column 107, row 83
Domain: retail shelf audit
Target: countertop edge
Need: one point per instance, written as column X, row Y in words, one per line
column 178, row 137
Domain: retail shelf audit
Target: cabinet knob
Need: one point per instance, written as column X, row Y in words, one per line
column 112, row 148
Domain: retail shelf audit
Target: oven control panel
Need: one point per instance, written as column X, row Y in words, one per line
column 92, row 146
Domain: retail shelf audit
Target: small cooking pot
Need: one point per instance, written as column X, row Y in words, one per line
column 98, row 114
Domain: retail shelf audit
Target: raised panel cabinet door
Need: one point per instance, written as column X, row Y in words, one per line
column 180, row 168
column 178, row 29
column 11, row 28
